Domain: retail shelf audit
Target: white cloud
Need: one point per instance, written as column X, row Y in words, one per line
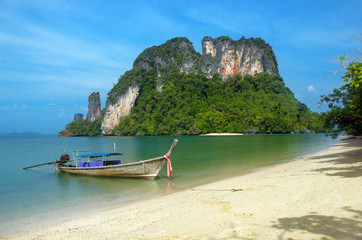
column 311, row 88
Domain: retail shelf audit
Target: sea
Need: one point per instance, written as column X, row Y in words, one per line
column 41, row 196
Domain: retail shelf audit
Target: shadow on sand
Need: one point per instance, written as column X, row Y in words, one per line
column 347, row 165
column 329, row 227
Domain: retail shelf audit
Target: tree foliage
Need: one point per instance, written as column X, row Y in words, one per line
column 83, row 128
column 345, row 104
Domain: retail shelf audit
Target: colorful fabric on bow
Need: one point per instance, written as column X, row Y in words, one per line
column 169, row 166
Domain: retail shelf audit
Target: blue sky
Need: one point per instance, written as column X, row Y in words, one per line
column 53, row 54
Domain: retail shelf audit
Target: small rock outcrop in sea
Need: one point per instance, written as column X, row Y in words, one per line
column 94, row 107
column 78, row 117
column 245, row 56
column 194, row 132
column 251, row 131
column 65, row 133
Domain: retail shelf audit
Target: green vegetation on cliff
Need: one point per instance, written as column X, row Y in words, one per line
column 82, row 128
column 137, row 75
column 192, row 102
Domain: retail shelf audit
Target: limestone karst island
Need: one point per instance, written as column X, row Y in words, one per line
column 233, row 87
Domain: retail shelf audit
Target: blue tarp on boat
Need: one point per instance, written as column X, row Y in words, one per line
column 98, row 163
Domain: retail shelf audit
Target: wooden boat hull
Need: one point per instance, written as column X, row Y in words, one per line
column 148, row 169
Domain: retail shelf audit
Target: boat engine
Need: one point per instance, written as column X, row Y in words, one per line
column 63, row 159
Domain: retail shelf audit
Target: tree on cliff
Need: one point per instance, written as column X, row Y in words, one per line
column 345, row 103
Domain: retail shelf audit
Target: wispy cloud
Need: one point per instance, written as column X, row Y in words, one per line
column 38, row 58
column 64, row 111
column 14, row 107
column 41, row 45
column 226, row 18
column 48, row 54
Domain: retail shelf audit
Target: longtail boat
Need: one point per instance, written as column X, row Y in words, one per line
column 148, row 169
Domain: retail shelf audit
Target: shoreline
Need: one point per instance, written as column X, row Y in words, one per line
column 222, row 134
column 312, row 197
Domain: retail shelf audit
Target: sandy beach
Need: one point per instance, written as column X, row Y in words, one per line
column 316, row 197
column 222, row 134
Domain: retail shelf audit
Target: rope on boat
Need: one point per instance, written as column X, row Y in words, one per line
column 168, row 181
column 174, row 185
column 55, row 169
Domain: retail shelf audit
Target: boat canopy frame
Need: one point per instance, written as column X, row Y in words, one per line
column 95, row 155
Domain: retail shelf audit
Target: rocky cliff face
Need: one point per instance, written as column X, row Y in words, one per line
column 94, row 107
column 221, row 55
column 177, row 51
column 121, row 108
column 245, row 56
column 78, row 117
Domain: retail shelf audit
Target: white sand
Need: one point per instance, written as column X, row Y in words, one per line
column 222, row 134
column 319, row 197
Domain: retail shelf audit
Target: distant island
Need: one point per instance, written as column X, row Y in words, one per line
column 21, row 134
column 233, row 87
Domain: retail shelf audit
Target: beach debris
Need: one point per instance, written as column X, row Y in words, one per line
column 236, row 189
column 218, row 190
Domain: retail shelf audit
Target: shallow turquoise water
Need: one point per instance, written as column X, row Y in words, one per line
column 30, row 198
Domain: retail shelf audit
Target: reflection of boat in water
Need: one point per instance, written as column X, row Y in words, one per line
column 100, row 165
